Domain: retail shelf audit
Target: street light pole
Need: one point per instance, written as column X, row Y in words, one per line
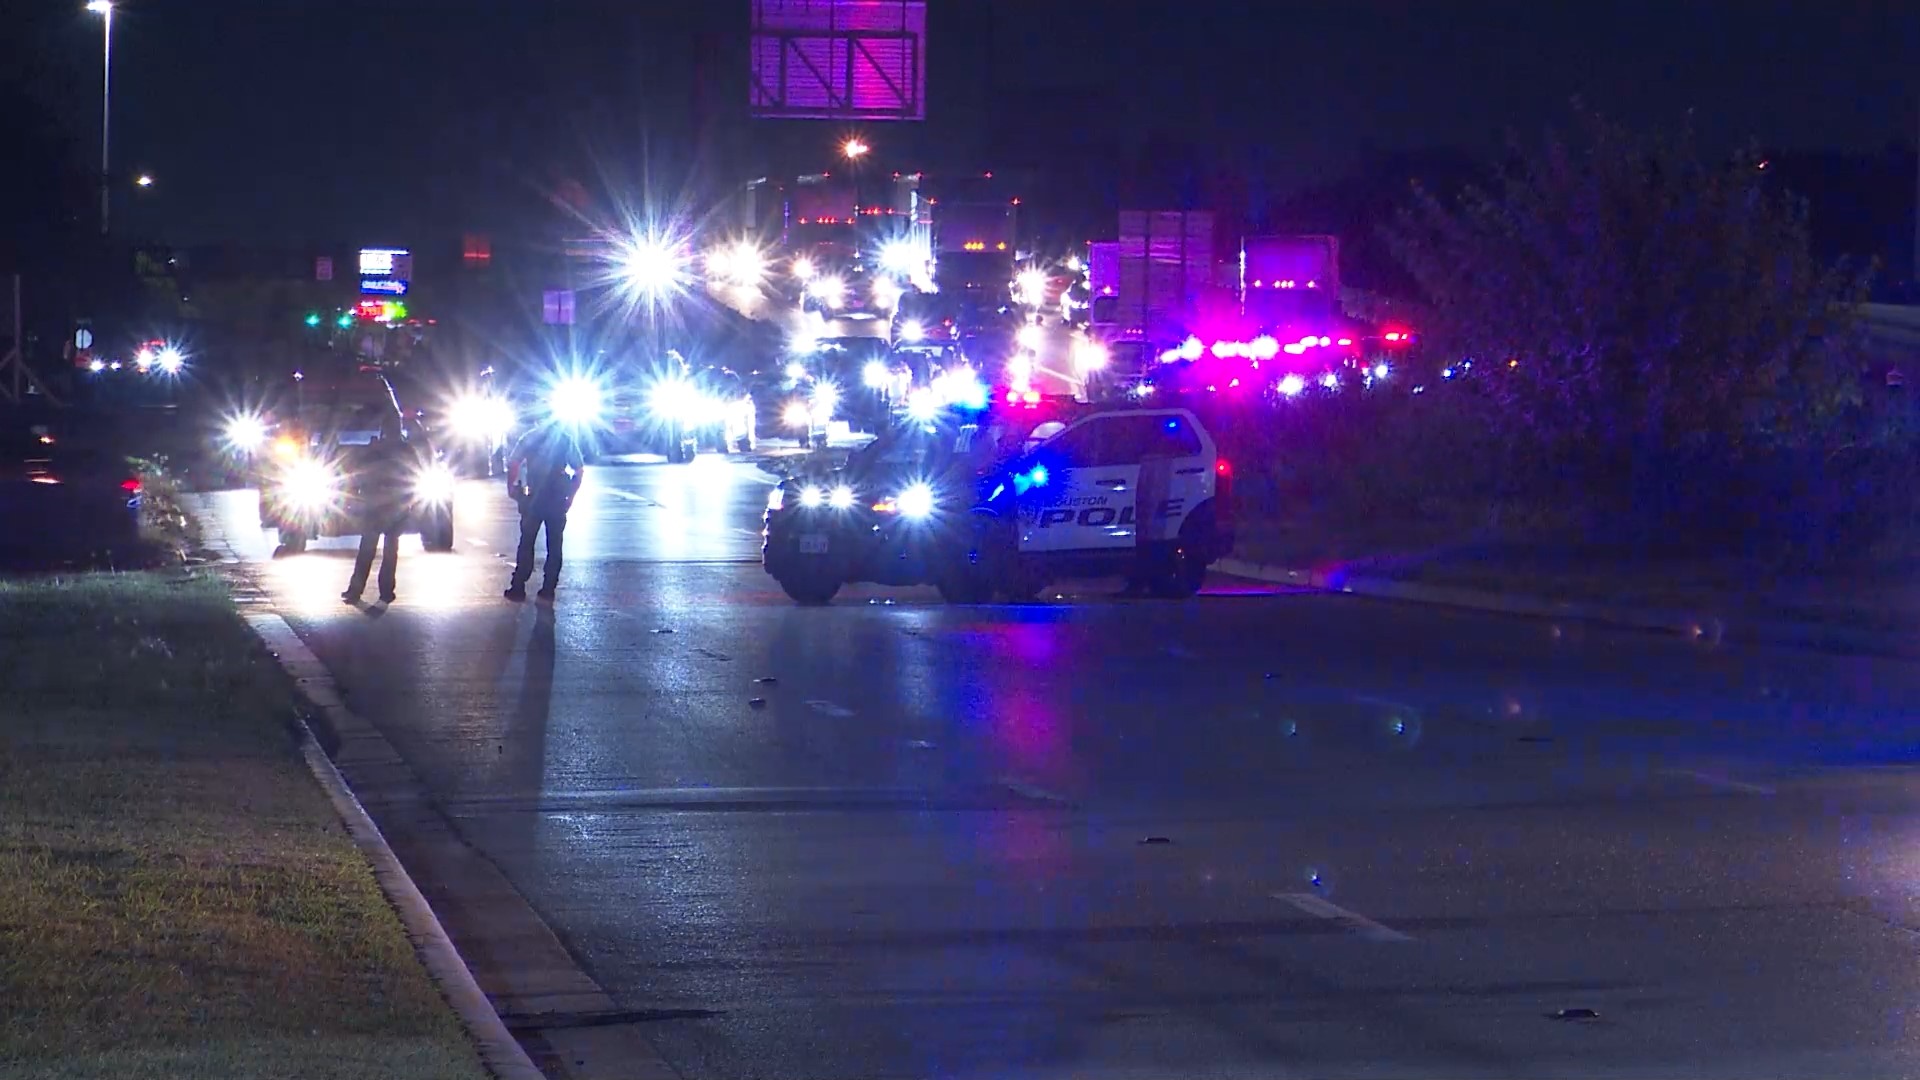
column 104, row 9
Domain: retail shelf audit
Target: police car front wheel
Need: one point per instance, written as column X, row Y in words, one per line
column 810, row 590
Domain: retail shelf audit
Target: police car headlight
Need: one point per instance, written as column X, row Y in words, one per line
column 840, row 498
column 811, row 496
column 310, row 486
column 916, row 501
column 434, row 485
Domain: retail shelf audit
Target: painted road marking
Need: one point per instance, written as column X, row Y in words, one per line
column 1321, row 908
column 1722, row 783
column 829, row 708
column 1033, row 791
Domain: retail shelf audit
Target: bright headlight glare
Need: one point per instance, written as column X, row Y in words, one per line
column 676, row 399
column 922, row 405
column 916, row 501
column 246, row 433
column 434, row 485
column 310, row 486
column 811, row 496
column 575, row 401
column 841, row 498
column 480, row 416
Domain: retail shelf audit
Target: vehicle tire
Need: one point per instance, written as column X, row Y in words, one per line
column 809, row 590
column 1184, row 569
column 436, row 534
column 996, row 557
column 1023, row 587
column 966, row 584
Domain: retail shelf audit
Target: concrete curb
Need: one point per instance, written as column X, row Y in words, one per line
column 500, row 1052
column 534, row 986
column 1704, row 626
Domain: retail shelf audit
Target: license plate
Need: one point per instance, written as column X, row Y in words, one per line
column 813, row 543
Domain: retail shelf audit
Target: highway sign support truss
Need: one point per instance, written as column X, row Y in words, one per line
column 839, row 59
column 17, row 380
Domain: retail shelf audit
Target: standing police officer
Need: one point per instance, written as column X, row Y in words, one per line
column 381, row 481
column 544, row 471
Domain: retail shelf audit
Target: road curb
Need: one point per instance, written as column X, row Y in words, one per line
column 1704, row 626
column 538, row 989
column 500, row 1052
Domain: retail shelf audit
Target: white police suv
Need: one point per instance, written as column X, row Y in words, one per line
column 997, row 506
column 1141, row 494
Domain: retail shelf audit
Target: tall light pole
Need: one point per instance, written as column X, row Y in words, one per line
column 104, row 9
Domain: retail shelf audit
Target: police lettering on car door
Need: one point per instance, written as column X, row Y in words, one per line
column 1096, row 512
column 1106, row 483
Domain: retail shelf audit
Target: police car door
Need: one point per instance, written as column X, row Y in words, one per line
column 1083, row 496
column 1176, row 472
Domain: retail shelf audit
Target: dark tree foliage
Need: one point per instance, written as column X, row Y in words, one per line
column 1623, row 295
column 44, row 197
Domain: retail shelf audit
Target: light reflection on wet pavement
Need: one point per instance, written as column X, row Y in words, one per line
column 1258, row 833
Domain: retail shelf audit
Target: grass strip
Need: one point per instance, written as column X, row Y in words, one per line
column 177, row 897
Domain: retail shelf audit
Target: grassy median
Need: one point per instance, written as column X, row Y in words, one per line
column 177, row 897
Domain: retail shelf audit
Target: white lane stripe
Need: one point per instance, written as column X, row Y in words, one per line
column 1723, row 783
column 1322, row 908
column 1032, row 791
column 619, row 494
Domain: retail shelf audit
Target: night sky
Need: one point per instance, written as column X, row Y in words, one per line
column 362, row 121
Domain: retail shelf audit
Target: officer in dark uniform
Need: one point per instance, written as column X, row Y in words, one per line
column 544, row 471
column 381, row 482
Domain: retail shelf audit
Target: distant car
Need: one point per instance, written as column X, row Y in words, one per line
column 679, row 411
column 725, row 417
column 64, row 494
column 308, row 489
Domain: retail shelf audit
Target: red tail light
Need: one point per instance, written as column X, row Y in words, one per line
column 1223, row 468
column 131, row 485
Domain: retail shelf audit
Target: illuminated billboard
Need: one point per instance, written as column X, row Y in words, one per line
column 385, row 271
column 839, row 59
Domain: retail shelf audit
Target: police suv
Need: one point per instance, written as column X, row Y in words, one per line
column 1005, row 502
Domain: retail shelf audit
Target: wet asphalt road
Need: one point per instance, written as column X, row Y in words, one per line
column 1253, row 834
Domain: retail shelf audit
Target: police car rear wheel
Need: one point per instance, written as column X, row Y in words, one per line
column 1179, row 580
column 1185, row 568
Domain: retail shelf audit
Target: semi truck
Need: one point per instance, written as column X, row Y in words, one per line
column 1290, row 285
column 1153, row 283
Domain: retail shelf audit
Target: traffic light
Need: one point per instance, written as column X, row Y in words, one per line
column 313, row 318
column 344, row 322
